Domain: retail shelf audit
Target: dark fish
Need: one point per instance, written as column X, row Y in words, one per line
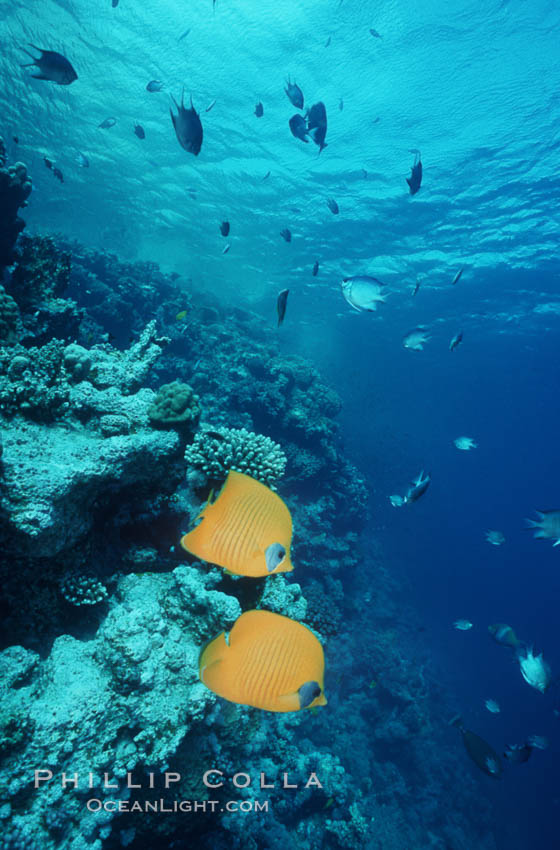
column 184, row 35
column 210, row 106
column 315, row 268
column 154, row 85
column 266, row 176
column 328, row 41
column 109, row 122
column 139, row 131
column 281, row 303
column 226, row 249
column 504, row 635
column 286, row 234
column 16, row 139
column 52, row 66
column 341, row 104
column 317, row 124
column 294, row 93
column 188, row 127
column 298, row 127
column 333, row 206
column 416, row 286
column 364, row 173
column 375, row 34
column 58, row 174
column 518, row 753
column 224, row 228
column 457, row 277
column 114, row 3
column 415, row 179
column 259, row 110
column 481, row 753
column 457, row 340
column 376, row 120
column 48, row 162
column 418, row 488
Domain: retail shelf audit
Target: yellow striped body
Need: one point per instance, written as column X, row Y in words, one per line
column 237, row 529
column 267, row 660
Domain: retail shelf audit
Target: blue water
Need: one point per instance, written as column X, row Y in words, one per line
column 476, row 88
column 501, row 390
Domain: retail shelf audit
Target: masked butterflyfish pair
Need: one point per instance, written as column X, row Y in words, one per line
column 247, row 530
column 267, row 661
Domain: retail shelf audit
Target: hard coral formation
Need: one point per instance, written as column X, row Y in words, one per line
column 217, row 450
column 42, row 272
column 82, row 590
column 15, row 188
column 98, row 495
column 9, row 317
column 175, row 406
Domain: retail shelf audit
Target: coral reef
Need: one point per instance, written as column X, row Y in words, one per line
column 82, row 590
column 175, row 406
column 217, row 450
column 15, row 188
column 9, row 315
column 41, row 274
column 110, row 618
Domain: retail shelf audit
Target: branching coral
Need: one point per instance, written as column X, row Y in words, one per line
column 82, row 590
column 217, row 450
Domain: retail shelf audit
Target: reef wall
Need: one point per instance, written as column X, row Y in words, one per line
column 124, row 398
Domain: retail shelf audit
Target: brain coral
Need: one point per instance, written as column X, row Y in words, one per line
column 175, row 406
column 217, row 450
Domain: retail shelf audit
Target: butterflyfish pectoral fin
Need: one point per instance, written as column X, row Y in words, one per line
column 212, row 652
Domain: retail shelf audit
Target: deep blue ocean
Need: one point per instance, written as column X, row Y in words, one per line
column 470, row 89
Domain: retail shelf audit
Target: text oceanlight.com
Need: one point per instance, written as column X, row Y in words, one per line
column 174, row 806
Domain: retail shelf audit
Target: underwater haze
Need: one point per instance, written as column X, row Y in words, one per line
column 271, row 270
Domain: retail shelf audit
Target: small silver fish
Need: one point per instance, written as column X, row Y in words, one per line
column 456, row 341
column 184, row 35
column 463, row 625
column 154, row 85
column 492, row 706
column 82, row 160
column 534, row 670
column 457, row 277
column 465, row 444
column 363, row 292
column 496, row 538
column 226, row 249
column 416, row 339
column 547, row 525
column 210, row 106
column 107, row 123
